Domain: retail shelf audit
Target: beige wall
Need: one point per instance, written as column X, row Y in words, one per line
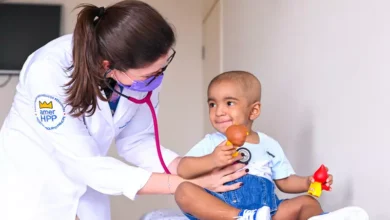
column 325, row 69
column 206, row 6
column 212, row 47
column 325, row 78
column 181, row 106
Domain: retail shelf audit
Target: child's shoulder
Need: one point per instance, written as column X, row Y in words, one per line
column 268, row 140
column 215, row 137
column 265, row 137
column 206, row 145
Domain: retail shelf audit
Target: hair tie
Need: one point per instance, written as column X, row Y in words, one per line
column 101, row 12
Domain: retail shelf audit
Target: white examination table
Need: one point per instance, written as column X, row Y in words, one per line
column 164, row 214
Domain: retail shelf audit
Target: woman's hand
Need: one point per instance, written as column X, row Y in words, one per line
column 215, row 180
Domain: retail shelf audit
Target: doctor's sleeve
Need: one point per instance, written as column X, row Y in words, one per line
column 67, row 139
column 136, row 143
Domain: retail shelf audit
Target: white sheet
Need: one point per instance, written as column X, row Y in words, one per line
column 164, row 214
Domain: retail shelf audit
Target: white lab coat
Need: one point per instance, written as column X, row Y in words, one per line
column 52, row 165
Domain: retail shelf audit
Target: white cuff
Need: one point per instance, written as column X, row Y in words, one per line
column 139, row 180
column 168, row 156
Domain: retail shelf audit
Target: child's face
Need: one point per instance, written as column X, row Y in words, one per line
column 228, row 106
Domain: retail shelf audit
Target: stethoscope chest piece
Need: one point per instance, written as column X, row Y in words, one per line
column 246, row 155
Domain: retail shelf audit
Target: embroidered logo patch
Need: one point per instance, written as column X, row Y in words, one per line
column 50, row 112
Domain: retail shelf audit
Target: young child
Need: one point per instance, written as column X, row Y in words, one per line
column 234, row 98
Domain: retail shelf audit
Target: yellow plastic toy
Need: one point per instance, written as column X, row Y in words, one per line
column 315, row 189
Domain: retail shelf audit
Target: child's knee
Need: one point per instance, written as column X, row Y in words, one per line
column 309, row 201
column 185, row 187
column 184, row 192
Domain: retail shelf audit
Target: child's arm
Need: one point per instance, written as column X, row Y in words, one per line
column 293, row 184
column 282, row 172
column 192, row 167
column 298, row 184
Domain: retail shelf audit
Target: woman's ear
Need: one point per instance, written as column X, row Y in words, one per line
column 255, row 111
column 106, row 65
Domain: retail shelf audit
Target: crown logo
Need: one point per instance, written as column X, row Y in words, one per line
column 46, row 105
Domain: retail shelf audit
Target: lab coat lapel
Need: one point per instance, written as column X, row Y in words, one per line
column 105, row 110
column 126, row 106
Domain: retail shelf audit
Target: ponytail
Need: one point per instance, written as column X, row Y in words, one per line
column 129, row 34
column 86, row 78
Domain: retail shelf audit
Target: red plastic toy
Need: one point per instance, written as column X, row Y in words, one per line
column 319, row 183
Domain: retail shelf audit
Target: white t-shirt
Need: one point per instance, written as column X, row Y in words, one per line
column 268, row 159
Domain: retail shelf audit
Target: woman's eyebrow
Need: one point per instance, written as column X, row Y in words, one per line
column 153, row 73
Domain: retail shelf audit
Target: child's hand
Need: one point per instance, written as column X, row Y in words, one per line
column 329, row 180
column 223, row 155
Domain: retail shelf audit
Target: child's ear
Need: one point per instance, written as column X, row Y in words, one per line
column 255, row 112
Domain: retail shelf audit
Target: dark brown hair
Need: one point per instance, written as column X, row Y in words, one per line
column 129, row 34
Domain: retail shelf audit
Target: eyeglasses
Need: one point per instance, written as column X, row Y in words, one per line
column 161, row 72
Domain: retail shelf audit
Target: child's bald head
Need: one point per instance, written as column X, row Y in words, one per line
column 247, row 82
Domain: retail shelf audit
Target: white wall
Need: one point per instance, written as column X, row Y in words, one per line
column 325, row 69
column 181, row 105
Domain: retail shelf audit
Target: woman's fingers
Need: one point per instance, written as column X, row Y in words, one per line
column 233, row 176
column 231, row 169
column 220, row 177
column 225, row 188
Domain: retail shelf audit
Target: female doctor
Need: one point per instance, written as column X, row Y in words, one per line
column 75, row 96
